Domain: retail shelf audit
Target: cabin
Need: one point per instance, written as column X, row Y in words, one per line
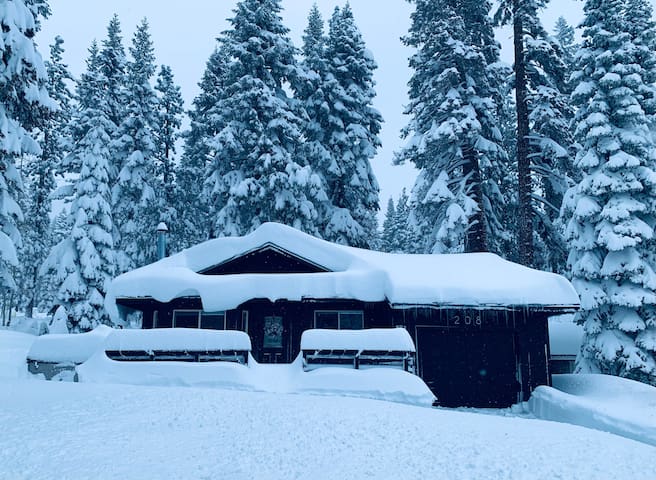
column 479, row 323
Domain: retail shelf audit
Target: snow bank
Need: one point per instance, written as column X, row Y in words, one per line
column 384, row 339
column 375, row 383
column 116, row 432
column 176, row 339
column 64, row 347
column 564, row 335
column 13, row 350
column 611, row 404
column 472, row 279
column 225, row 375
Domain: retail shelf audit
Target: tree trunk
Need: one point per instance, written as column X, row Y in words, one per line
column 523, row 163
column 476, row 240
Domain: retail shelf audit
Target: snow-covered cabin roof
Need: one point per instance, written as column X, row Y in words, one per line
column 469, row 279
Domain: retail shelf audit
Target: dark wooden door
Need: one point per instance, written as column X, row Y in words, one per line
column 471, row 368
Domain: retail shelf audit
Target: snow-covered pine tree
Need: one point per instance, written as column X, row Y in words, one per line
column 257, row 171
column 38, row 173
column 397, row 237
column 113, row 66
column 83, row 262
column 565, row 35
column 194, row 223
column 389, row 235
column 544, row 141
column 351, row 133
column 612, row 210
column 170, row 109
column 135, row 207
column 24, row 100
column 310, row 89
column 454, row 139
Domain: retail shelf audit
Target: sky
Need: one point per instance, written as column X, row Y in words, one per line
column 184, row 37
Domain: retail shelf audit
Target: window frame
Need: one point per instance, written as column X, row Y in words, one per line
column 339, row 315
column 199, row 317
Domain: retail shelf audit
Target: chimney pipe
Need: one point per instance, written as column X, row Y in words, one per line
column 162, row 230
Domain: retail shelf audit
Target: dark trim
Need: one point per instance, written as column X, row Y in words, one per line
column 267, row 247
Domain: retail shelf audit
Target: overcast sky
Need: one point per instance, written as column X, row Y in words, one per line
column 184, row 36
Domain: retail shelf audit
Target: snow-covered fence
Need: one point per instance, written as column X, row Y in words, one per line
column 376, row 347
column 178, row 344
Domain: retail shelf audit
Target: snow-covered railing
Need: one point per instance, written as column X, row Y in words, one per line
column 376, row 347
column 178, row 344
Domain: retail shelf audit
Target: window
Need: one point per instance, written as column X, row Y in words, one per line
column 198, row 319
column 342, row 320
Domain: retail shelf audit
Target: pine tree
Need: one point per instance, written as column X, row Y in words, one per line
column 113, row 66
column 389, row 234
column 194, row 223
column 612, row 210
column 83, row 262
column 258, row 172
column 169, row 119
column 565, row 36
column 352, row 134
column 24, row 100
column 39, row 176
column 543, row 137
column 135, row 208
column 454, row 139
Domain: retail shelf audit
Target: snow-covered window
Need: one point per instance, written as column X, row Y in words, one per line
column 198, row 319
column 338, row 319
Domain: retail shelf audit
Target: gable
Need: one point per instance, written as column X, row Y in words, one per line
column 266, row 259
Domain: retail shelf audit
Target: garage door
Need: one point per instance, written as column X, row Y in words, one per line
column 468, row 368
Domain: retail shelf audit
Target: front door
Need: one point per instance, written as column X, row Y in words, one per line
column 273, row 340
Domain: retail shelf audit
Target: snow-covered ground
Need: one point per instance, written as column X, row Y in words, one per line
column 607, row 403
column 53, row 430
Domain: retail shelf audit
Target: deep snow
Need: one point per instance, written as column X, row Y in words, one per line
column 56, row 430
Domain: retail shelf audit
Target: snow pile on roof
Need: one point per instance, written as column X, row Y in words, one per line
column 462, row 279
column 603, row 402
column 382, row 339
column 177, row 339
column 65, row 347
column 564, row 335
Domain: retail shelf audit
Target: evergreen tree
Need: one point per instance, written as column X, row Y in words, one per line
column 543, row 145
column 194, row 223
column 454, row 139
column 39, row 177
column 257, row 171
column 565, row 36
column 169, row 119
column 612, row 210
column 389, row 234
column 135, row 206
column 83, row 262
column 113, row 67
column 351, row 133
column 396, row 236
column 24, row 100
column 312, row 91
